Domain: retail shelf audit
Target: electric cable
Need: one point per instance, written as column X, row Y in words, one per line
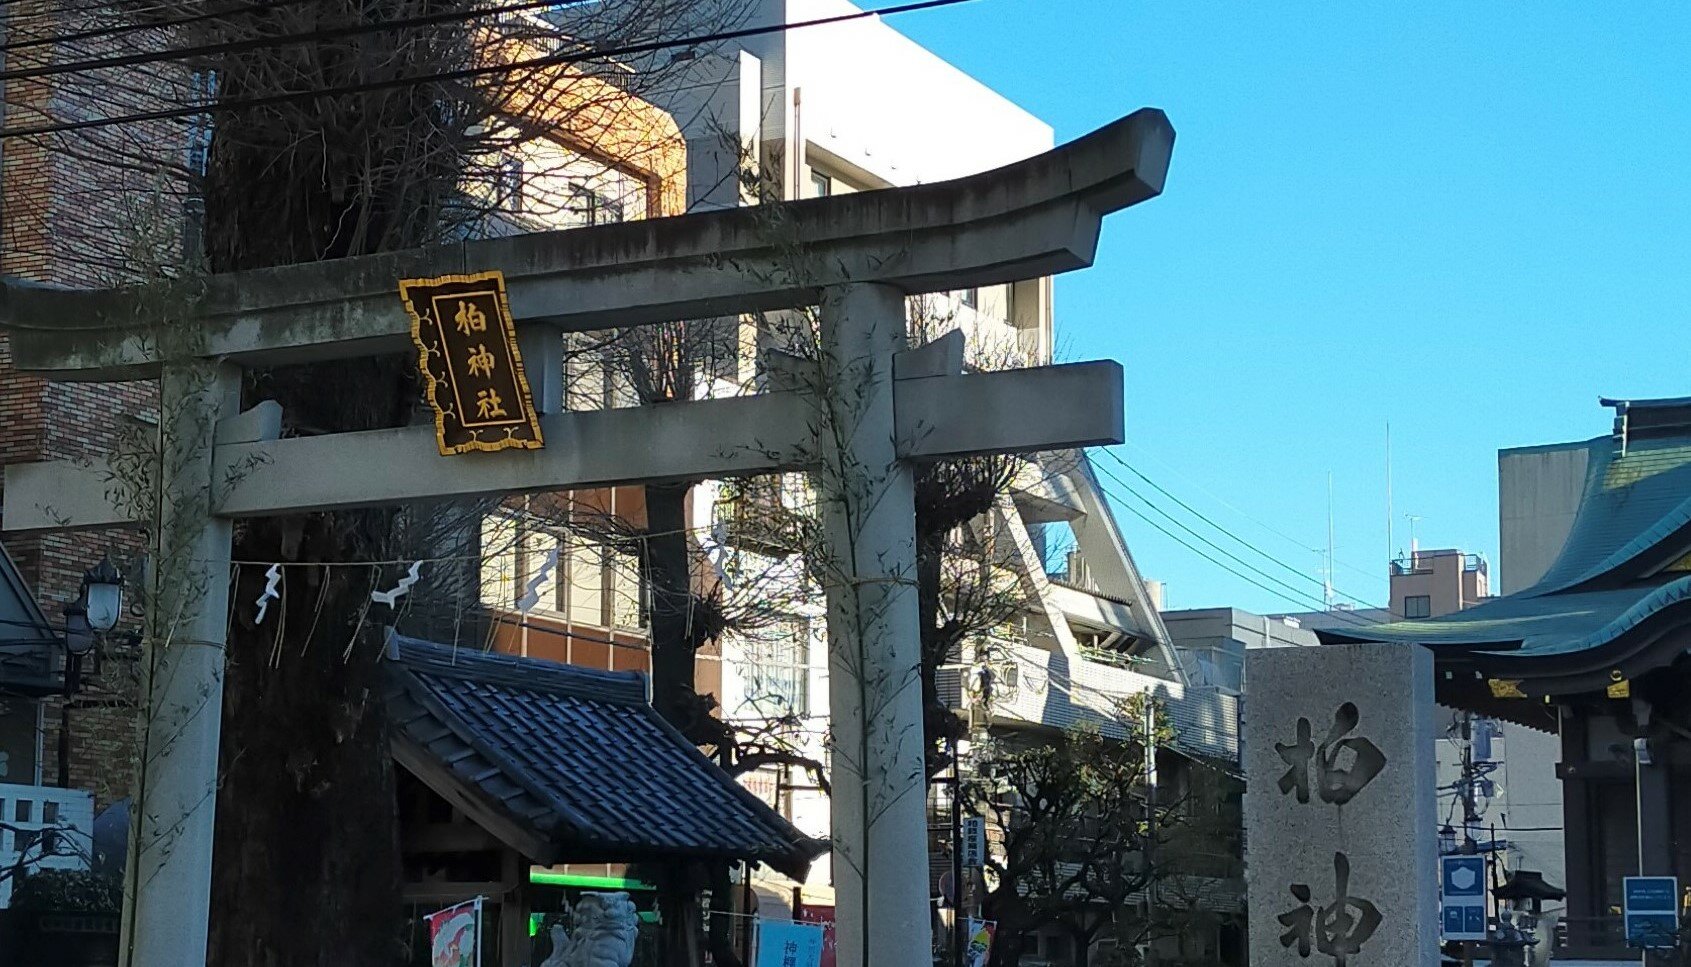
column 468, row 73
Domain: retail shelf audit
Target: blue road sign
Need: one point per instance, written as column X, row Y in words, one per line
column 1464, row 876
column 1652, row 910
column 1463, row 894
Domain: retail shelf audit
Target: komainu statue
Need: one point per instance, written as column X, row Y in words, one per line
column 602, row 932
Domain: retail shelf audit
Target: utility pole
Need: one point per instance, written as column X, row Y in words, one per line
column 957, row 924
column 1148, row 717
column 1470, row 812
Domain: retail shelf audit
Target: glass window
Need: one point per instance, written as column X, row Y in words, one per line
column 588, row 206
column 628, row 604
column 1417, row 606
column 202, row 89
column 537, row 545
column 775, row 669
column 970, row 298
column 586, row 592
column 821, row 186
column 498, row 561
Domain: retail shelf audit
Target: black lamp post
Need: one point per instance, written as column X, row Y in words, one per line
column 95, row 612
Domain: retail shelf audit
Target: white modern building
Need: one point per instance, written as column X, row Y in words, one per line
column 854, row 106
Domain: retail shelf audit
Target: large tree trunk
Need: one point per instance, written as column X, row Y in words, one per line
column 306, row 868
column 1014, row 927
column 938, row 722
column 677, row 626
column 1082, row 940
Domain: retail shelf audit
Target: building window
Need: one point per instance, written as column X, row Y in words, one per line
column 821, row 186
column 589, row 583
column 202, row 90
column 1418, row 606
column 970, row 298
column 511, row 184
column 775, row 670
column 600, row 586
column 591, row 207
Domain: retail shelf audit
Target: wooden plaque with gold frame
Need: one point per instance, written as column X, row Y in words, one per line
column 467, row 352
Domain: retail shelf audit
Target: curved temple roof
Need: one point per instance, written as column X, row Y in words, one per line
column 570, row 763
column 1623, row 573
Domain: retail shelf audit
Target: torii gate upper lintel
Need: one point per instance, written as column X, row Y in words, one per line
column 1036, row 217
column 1025, row 220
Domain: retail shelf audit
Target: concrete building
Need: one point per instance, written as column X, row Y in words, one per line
column 1211, row 642
column 1428, row 583
column 794, row 115
column 797, row 112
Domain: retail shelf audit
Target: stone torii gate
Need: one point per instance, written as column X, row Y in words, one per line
column 1033, row 218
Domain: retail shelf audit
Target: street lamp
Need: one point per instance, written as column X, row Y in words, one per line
column 94, row 612
column 102, row 595
column 1447, row 840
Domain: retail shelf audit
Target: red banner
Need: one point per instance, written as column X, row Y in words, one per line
column 455, row 936
column 824, row 916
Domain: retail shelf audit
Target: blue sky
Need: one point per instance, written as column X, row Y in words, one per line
column 1468, row 219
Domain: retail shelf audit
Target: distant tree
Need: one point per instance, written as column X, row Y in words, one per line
column 1072, row 827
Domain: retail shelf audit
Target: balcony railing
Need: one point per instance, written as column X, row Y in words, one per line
column 1422, row 563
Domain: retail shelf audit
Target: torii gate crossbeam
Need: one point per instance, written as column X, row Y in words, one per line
column 873, row 249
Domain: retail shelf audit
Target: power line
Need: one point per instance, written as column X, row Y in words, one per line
column 279, row 40
column 468, row 73
column 1241, row 561
column 1201, row 516
column 1270, row 528
column 112, row 31
column 1294, row 595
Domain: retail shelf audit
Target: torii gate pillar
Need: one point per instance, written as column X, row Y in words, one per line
column 874, row 638
column 168, row 862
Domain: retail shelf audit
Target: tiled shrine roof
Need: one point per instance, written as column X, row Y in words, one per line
column 572, row 762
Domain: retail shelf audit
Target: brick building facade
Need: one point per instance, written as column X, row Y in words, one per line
column 69, row 219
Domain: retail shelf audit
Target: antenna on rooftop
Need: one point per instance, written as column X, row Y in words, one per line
column 1327, row 578
column 1391, row 545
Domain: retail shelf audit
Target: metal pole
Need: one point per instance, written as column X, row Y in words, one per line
column 64, row 740
column 73, row 684
column 1149, row 716
column 1469, row 810
column 956, row 859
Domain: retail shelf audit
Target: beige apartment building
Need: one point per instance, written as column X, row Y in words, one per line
column 1427, row 584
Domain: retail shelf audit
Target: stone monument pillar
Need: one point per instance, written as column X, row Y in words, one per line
column 1341, row 844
